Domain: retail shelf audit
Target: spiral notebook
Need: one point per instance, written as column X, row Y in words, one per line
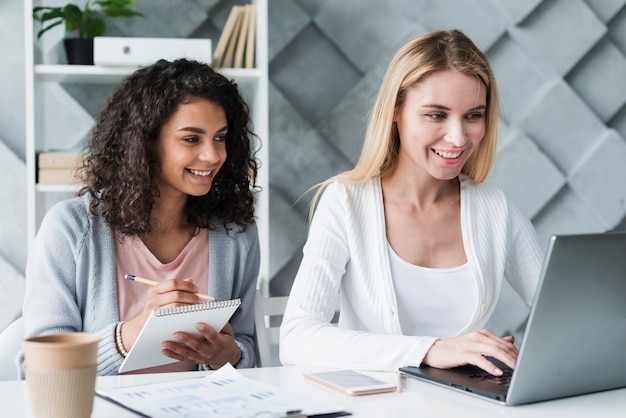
column 164, row 322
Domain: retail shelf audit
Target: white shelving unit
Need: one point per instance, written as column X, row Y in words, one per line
column 253, row 82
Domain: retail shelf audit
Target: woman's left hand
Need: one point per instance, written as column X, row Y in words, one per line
column 213, row 348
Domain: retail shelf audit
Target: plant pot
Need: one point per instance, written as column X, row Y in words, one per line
column 79, row 51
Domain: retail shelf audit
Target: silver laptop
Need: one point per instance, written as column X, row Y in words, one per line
column 575, row 338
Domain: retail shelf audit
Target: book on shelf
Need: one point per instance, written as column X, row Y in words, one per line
column 59, row 167
column 242, row 38
column 59, row 159
column 235, row 47
column 251, row 38
column 227, row 58
column 63, row 175
column 226, row 36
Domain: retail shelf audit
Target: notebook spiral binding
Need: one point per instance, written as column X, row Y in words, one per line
column 198, row 307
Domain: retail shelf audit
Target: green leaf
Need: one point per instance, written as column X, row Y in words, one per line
column 41, row 32
column 56, row 13
column 104, row 4
column 72, row 12
column 73, row 16
column 94, row 27
column 40, row 8
column 122, row 12
column 88, row 21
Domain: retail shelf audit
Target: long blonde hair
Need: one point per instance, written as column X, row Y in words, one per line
column 422, row 55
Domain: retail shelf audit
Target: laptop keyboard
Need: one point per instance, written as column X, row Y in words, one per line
column 505, row 379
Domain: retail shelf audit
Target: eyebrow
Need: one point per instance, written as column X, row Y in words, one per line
column 442, row 107
column 192, row 129
column 199, row 130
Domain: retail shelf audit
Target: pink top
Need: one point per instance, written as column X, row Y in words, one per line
column 133, row 257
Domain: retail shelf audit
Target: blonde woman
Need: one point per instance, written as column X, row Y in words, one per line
column 411, row 240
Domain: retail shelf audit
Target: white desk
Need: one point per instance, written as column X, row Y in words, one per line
column 417, row 399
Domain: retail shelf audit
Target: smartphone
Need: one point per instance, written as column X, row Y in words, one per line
column 351, row 382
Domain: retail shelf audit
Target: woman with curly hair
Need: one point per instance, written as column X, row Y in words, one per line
column 168, row 176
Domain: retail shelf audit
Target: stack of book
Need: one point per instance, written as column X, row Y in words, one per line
column 235, row 48
column 59, row 167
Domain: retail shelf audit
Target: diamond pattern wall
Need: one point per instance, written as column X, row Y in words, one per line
column 559, row 33
column 563, row 128
column 562, row 98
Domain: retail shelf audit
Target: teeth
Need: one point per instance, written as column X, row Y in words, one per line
column 448, row 154
column 201, row 173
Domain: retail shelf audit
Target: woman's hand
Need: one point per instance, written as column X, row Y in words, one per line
column 213, row 348
column 472, row 348
column 169, row 293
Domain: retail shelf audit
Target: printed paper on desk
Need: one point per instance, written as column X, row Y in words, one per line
column 223, row 393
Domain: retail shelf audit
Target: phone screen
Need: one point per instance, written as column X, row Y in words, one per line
column 351, row 382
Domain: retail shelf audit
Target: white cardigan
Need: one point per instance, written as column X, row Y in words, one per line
column 345, row 256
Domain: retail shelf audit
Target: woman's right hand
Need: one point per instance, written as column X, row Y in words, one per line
column 169, row 293
column 472, row 348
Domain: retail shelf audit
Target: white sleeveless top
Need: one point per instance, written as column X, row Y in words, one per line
column 433, row 302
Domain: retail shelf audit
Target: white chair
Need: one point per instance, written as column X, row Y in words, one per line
column 10, row 344
column 268, row 313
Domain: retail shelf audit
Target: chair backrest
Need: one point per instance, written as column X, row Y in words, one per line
column 268, row 313
column 10, row 344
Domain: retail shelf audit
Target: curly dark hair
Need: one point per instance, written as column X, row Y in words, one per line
column 119, row 165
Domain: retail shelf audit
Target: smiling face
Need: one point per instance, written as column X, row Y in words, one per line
column 441, row 122
column 191, row 149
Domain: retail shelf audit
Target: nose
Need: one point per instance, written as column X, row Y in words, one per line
column 455, row 133
column 210, row 152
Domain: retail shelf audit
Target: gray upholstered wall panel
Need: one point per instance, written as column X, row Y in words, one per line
column 562, row 150
column 563, row 94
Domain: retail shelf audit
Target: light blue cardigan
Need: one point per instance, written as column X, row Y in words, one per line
column 71, row 280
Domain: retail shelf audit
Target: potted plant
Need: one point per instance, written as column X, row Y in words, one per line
column 86, row 22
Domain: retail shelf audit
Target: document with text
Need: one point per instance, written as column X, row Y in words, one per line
column 223, row 393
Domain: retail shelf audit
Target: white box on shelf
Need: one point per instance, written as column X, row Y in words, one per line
column 110, row 50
